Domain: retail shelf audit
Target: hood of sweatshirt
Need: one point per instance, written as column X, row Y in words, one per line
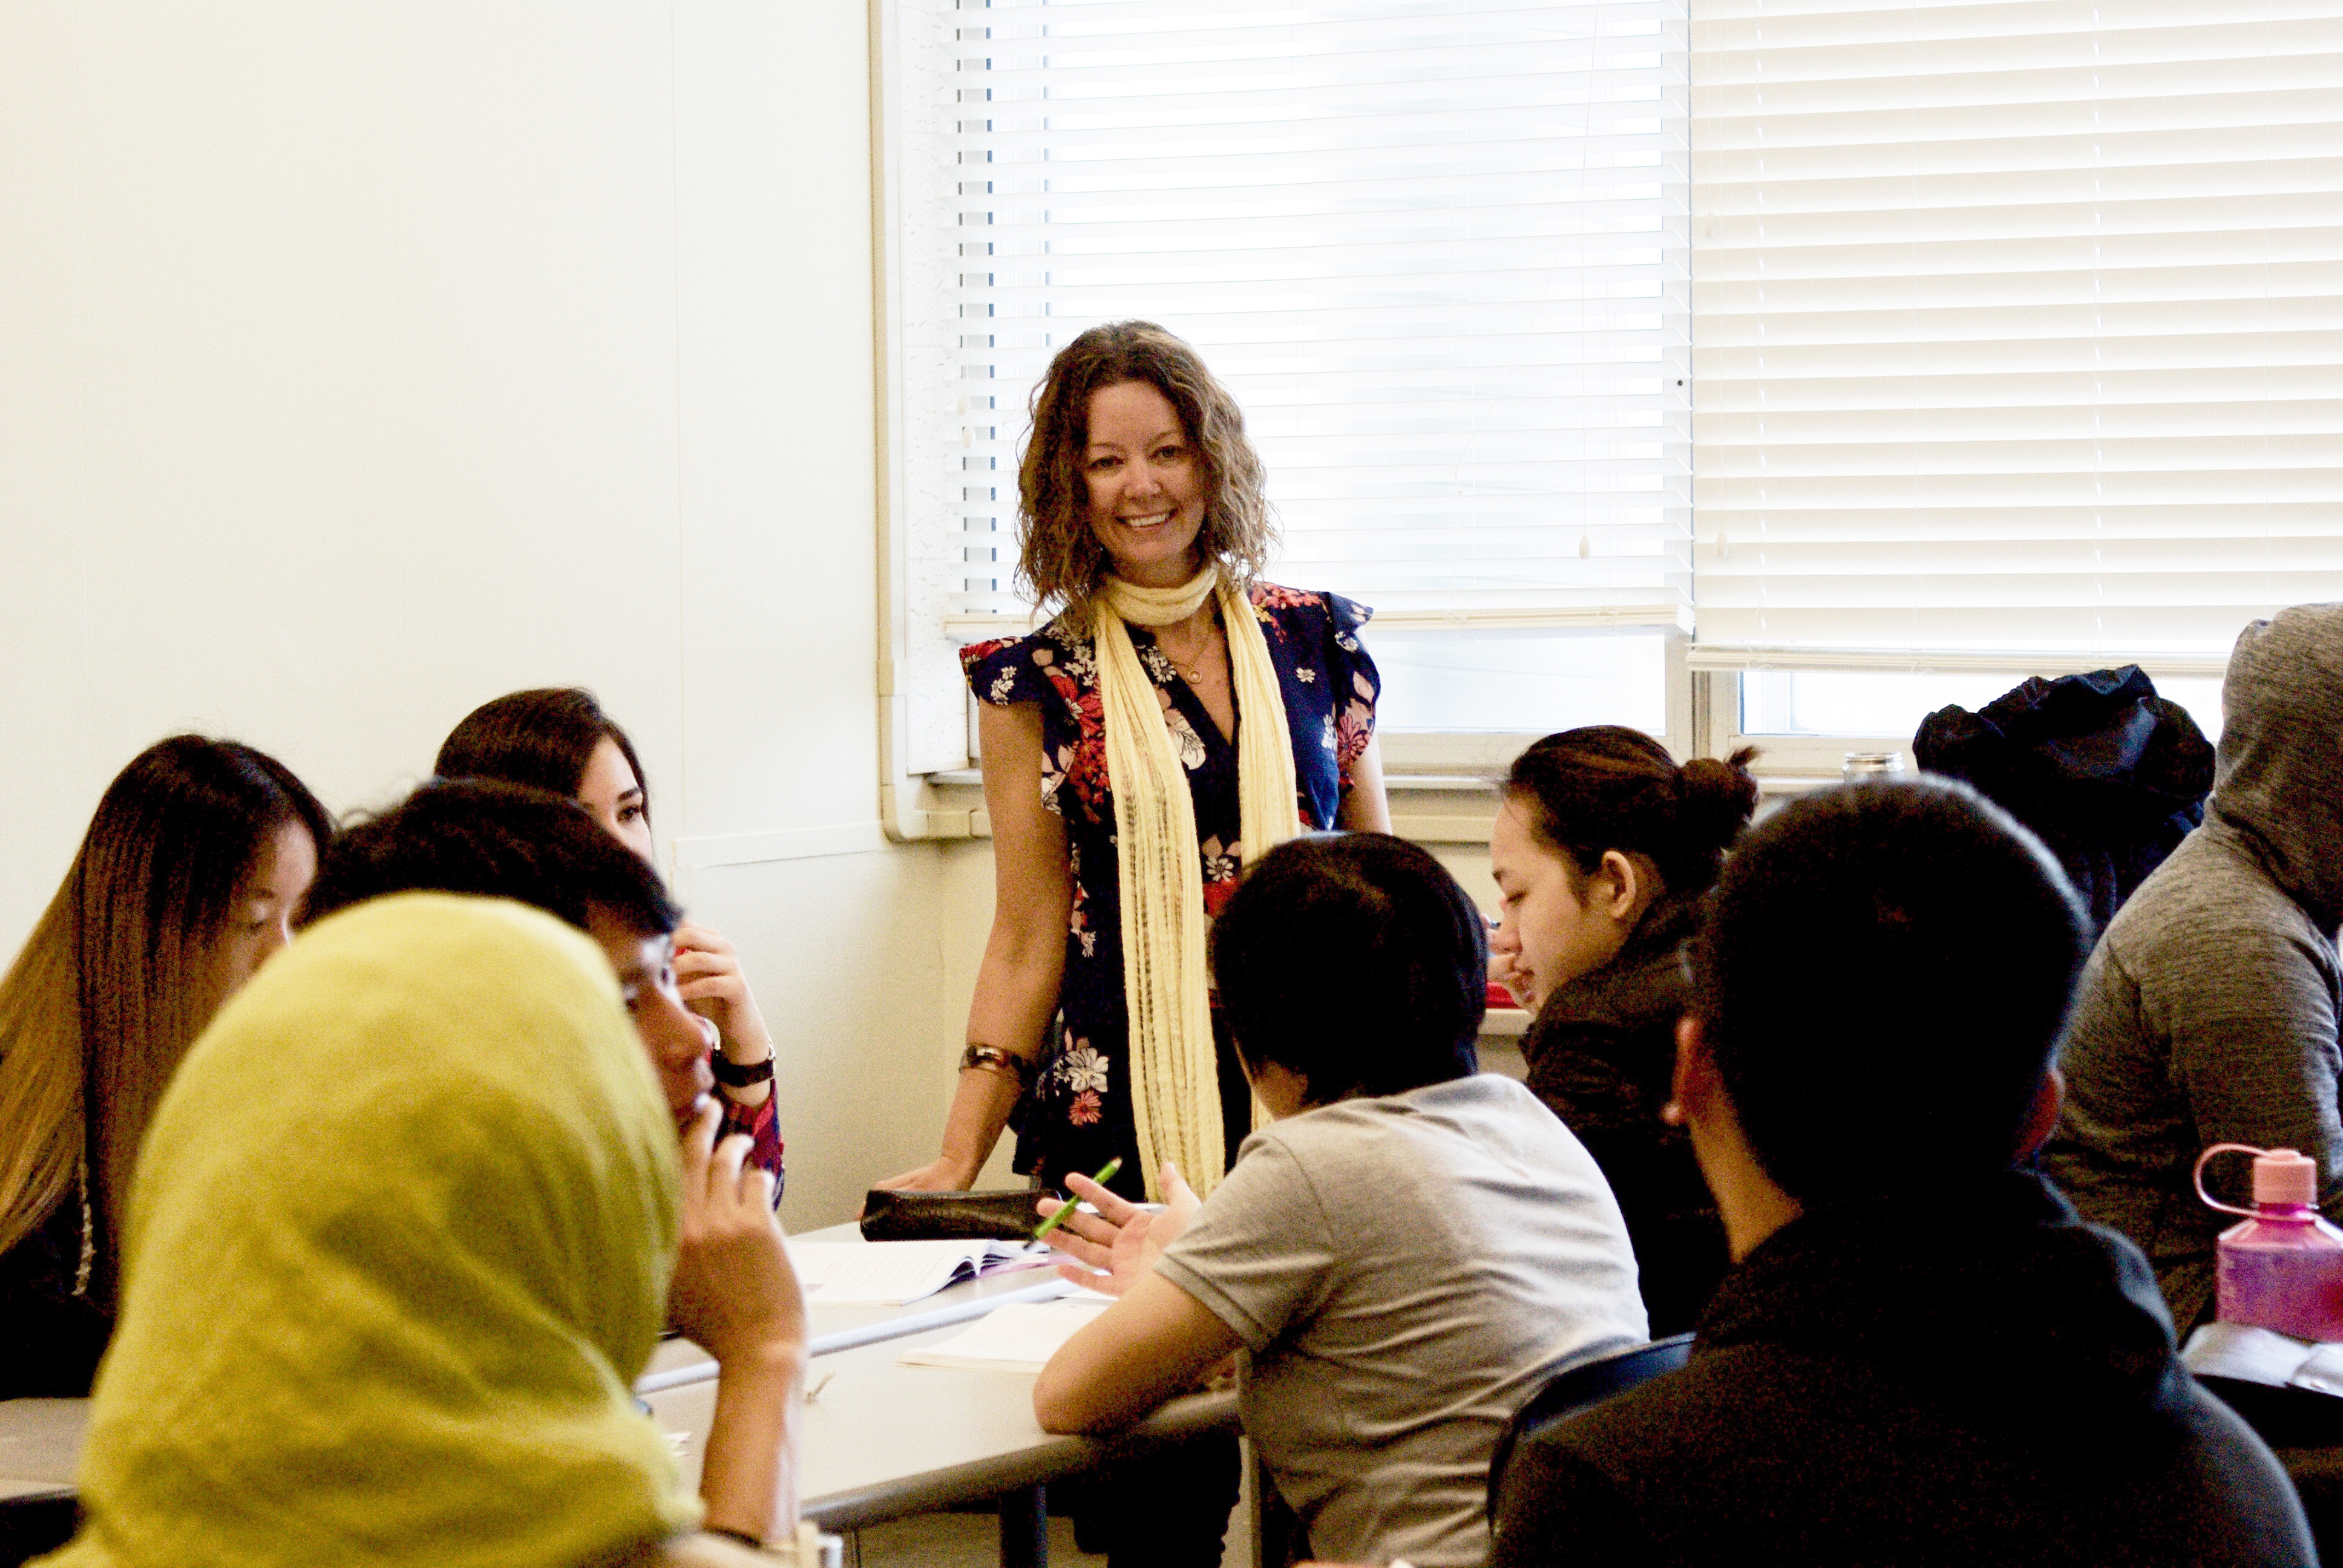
column 2277, row 783
column 1989, row 1293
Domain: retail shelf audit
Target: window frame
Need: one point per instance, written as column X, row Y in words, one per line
column 1821, row 759
column 933, row 802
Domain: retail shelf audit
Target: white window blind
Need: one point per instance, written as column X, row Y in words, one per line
column 2019, row 325
column 1435, row 249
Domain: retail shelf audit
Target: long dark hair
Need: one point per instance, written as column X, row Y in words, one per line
column 1060, row 559
column 1606, row 787
column 112, row 987
column 543, row 737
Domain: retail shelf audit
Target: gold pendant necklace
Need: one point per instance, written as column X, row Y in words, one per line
column 1192, row 671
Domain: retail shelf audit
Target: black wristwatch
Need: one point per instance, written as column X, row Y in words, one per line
column 732, row 1076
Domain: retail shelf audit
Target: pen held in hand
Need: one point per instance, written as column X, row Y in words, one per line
column 1106, row 1174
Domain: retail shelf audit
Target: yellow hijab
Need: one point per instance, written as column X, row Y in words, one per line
column 398, row 1246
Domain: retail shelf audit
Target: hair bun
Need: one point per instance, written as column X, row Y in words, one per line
column 1714, row 800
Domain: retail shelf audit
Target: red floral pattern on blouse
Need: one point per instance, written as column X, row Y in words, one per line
column 1078, row 1114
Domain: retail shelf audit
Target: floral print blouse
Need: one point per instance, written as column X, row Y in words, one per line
column 1076, row 1115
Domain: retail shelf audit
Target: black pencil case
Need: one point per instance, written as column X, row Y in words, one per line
column 888, row 1216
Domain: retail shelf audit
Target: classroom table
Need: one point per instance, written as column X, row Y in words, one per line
column 974, row 1438
column 678, row 1362
column 40, row 1440
column 882, row 1440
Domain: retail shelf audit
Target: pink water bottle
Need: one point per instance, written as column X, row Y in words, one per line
column 2283, row 1268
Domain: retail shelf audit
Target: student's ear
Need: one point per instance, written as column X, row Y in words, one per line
column 1695, row 1086
column 1619, row 883
column 2042, row 1116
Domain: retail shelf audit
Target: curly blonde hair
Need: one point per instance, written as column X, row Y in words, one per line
column 1060, row 560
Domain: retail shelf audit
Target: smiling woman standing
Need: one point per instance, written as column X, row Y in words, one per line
column 1178, row 719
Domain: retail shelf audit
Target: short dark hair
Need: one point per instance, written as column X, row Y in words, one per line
column 499, row 840
column 1355, row 960
column 1890, row 965
column 543, row 737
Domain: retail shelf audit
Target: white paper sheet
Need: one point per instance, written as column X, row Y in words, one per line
column 1020, row 1337
column 889, row 1273
column 2258, row 1355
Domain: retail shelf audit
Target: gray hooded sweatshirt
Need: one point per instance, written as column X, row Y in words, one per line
column 2207, row 1013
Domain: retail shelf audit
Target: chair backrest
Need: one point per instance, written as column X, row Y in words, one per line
column 1575, row 1385
column 36, row 1523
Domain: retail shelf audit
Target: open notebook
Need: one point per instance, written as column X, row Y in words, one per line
column 889, row 1273
column 1020, row 1337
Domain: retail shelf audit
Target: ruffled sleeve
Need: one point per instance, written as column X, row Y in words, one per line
column 1003, row 671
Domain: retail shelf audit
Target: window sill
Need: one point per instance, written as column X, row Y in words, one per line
column 1425, row 806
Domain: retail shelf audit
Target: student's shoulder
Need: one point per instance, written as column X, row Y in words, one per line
column 1492, row 1108
column 1554, row 1508
column 2210, row 894
column 1474, row 1103
column 1591, row 1489
column 1448, row 1127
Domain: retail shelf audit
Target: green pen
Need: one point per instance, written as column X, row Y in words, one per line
column 1105, row 1175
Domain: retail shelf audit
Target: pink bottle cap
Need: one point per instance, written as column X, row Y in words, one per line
column 2283, row 1176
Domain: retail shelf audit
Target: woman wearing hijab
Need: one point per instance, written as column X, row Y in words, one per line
column 403, row 1237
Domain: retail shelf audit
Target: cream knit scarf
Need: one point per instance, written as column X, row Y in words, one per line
column 1175, row 1095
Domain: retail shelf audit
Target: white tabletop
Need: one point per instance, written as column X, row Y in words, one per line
column 843, row 1327
column 882, row 1440
column 981, row 1420
column 40, row 1440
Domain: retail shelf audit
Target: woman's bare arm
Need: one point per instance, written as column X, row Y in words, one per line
column 1024, row 957
column 1363, row 807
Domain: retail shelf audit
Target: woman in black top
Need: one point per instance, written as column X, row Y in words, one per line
column 1602, row 851
column 188, row 879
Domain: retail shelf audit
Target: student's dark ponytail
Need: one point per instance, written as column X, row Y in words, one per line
column 1606, row 787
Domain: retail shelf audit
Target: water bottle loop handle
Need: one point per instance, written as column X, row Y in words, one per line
column 2197, row 1177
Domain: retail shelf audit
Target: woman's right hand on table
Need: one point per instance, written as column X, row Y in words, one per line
column 942, row 1174
column 1024, row 957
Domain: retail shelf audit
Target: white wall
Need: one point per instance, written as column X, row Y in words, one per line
column 359, row 364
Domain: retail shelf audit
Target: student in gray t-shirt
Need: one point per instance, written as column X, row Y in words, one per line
column 1397, row 1256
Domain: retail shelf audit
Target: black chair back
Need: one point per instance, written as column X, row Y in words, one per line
column 1577, row 1385
column 36, row 1523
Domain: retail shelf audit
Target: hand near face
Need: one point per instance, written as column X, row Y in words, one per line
column 1501, row 970
column 734, row 1292
column 708, row 976
column 1122, row 1239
